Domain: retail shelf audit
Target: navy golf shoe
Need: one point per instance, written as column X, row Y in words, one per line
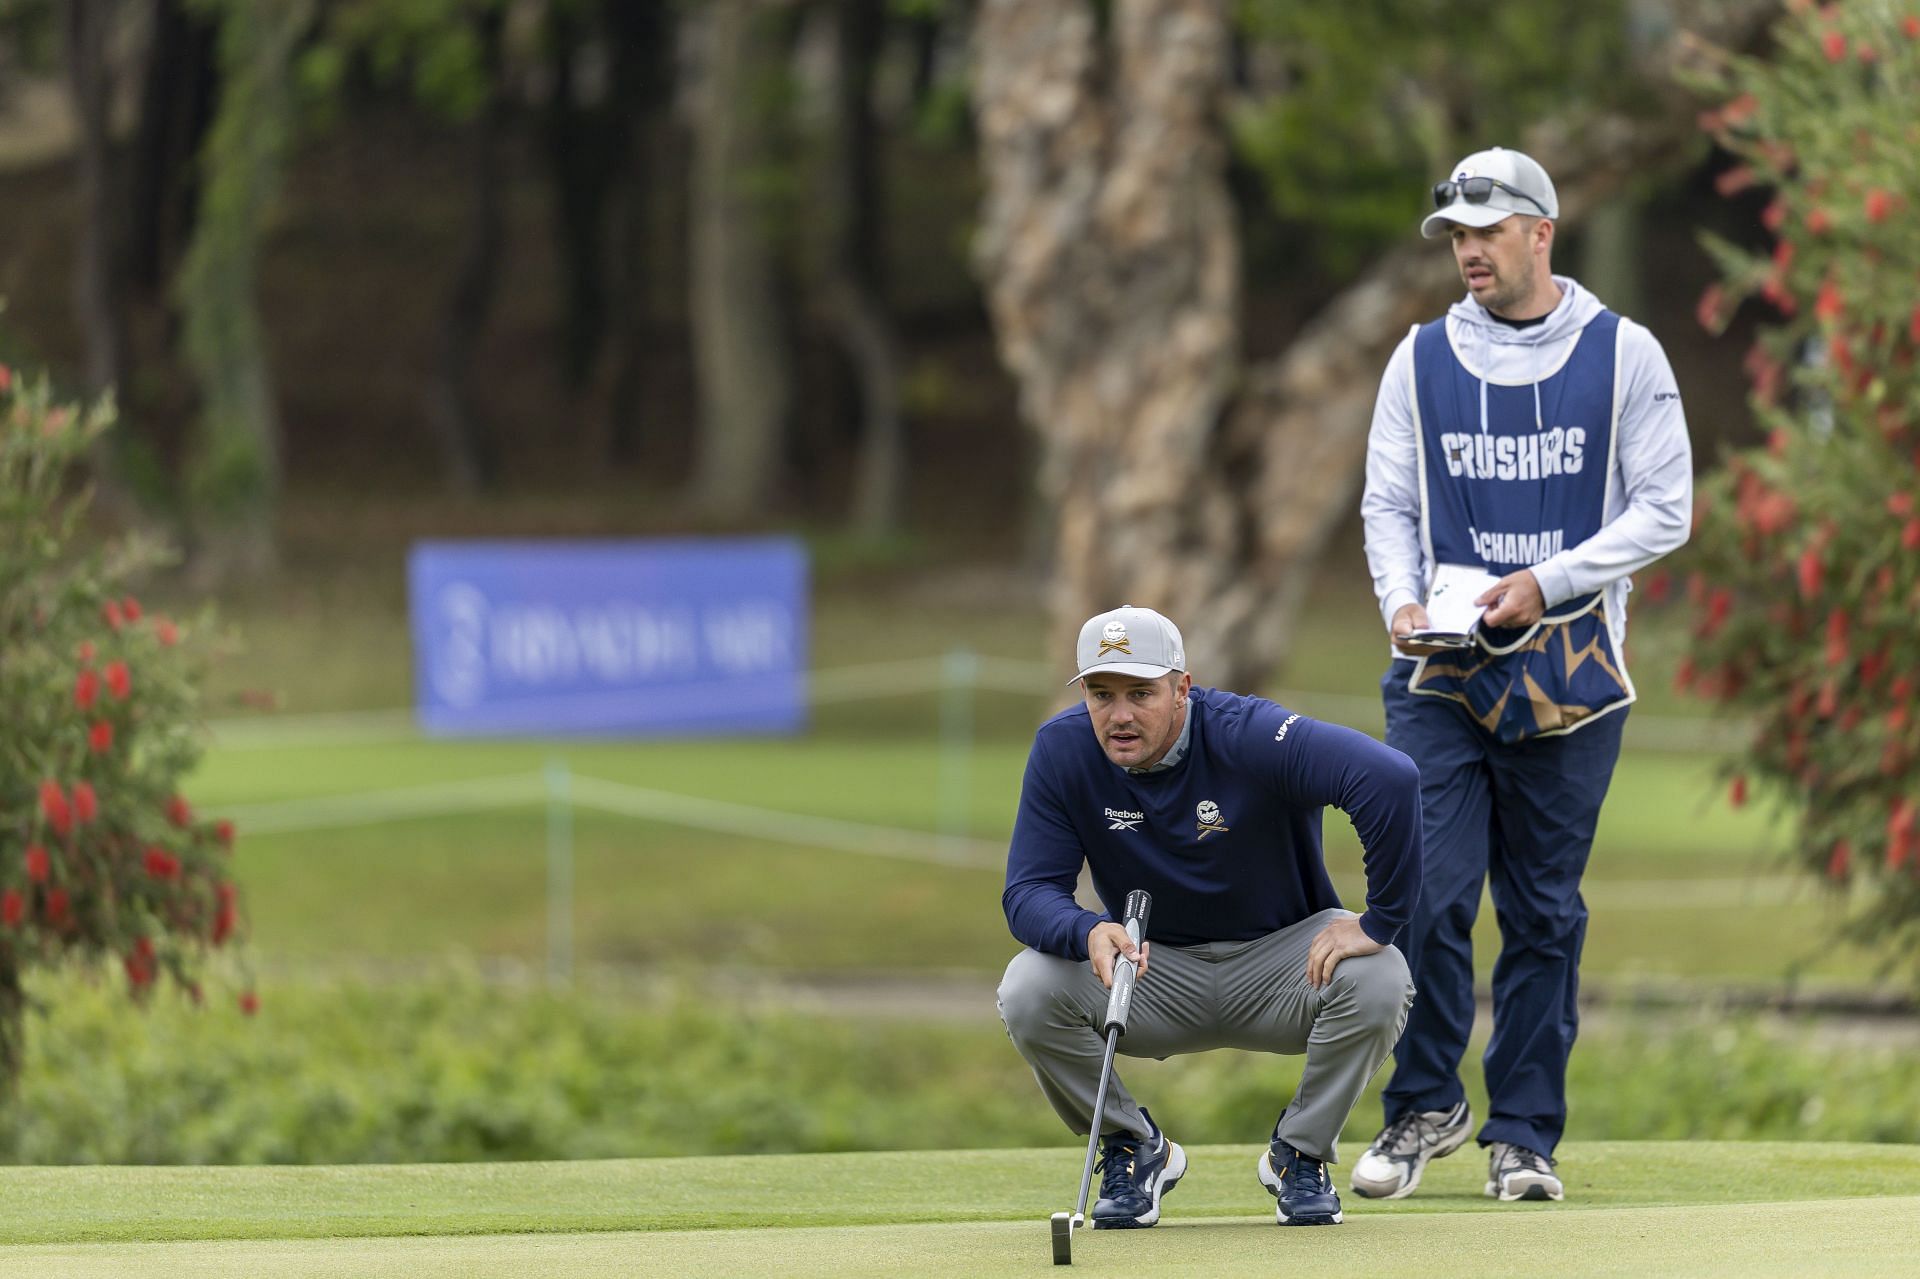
column 1301, row 1184
column 1134, row 1175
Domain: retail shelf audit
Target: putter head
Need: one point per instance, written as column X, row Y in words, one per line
column 1063, row 1224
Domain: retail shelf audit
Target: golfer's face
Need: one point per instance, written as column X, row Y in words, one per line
column 1496, row 262
column 1136, row 720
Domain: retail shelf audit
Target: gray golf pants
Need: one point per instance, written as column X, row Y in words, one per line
column 1242, row 994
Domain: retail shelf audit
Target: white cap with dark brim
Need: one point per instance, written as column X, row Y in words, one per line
column 1516, row 171
column 1129, row 641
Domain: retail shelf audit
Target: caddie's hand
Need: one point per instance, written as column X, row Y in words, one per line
column 1409, row 618
column 1335, row 942
column 1516, row 600
column 1107, row 940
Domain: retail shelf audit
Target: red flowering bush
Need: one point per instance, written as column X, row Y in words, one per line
column 1808, row 549
column 100, row 857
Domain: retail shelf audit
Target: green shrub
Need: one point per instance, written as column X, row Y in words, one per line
column 451, row 1067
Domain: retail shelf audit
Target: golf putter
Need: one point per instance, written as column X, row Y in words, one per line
column 1139, row 902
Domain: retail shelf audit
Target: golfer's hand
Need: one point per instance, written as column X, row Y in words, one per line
column 1108, row 940
column 1412, row 617
column 1341, row 938
column 1516, row 600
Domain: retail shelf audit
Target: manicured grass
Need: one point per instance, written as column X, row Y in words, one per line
column 1652, row 1207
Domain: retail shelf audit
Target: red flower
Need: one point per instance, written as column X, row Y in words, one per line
column 1900, row 504
column 1834, row 45
column 249, row 1003
column 1913, row 325
column 1910, row 535
column 139, row 970
column 178, row 811
column 6, row 374
column 13, row 907
column 1659, row 586
column 1837, row 624
column 85, row 651
column 1708, row 310
column 1811, row 573
column 1839, row 860
column 86, row 689
column 1828, row 701
column 1911, row 25
column 1737, row 793
column 1879, row 205
column 1827, row 306
column 53, row 806
column 1864, row 51
column 161, row 864
column 111, row 612
column 1783, row 257
column 166, row 632
column 1818, row 222
column 57, row 903
column 131, row 608
column 1774, row 216
column 38, row 864
column 1733, row 181
column 223, row 831
column 100, row 737
column 1683, row 675
column 119, row 680
column 86, row 806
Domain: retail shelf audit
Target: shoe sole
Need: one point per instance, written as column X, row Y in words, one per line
column 1440, row 1151
column 1282, row 1219
column 1536, row 1192
column 1176, row 1169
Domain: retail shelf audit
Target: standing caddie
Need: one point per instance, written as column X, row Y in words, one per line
column 1535, row 435
column 1211, row 802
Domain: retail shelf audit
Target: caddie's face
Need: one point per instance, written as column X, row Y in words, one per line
column 1497, row 262
column 1136, row 720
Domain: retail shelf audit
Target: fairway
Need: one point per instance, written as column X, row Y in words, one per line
column 1661, row 1208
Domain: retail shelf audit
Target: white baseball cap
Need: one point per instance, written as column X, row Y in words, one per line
column 1129, row 641
column 1491, row 186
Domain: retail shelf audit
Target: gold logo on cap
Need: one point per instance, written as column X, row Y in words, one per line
column 1113, row 639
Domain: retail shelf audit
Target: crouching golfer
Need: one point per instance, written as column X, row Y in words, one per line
column 1210, row 801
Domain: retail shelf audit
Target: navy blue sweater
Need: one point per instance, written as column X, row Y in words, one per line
column 1227, row 840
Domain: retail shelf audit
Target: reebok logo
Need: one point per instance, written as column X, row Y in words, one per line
column 1281, row 736
column 1123, row 819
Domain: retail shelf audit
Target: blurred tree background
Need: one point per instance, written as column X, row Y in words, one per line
column 724, row 260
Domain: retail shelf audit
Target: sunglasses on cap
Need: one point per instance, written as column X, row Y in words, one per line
column 1478, row 191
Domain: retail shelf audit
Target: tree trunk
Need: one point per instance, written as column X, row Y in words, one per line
column 468, row 449
column 176, row 107
column 583, row 145
column 853, row 287
column 234, row 478
column 643, row 36
column 1113, row 279
column 99, row 284
column 1111, row 262
column 740, row 352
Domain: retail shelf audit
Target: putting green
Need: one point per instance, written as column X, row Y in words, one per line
column 1663, row 1208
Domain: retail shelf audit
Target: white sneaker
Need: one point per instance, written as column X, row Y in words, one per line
column 1391, row 1166
column 1514, row 1172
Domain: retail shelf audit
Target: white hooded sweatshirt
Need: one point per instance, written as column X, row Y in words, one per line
column 1649, row 502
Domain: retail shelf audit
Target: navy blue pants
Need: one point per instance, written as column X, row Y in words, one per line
column 1520, row 817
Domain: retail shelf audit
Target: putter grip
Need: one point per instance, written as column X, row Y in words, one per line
column 1120, row 998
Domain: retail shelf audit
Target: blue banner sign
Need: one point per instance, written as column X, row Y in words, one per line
column 614, row 638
